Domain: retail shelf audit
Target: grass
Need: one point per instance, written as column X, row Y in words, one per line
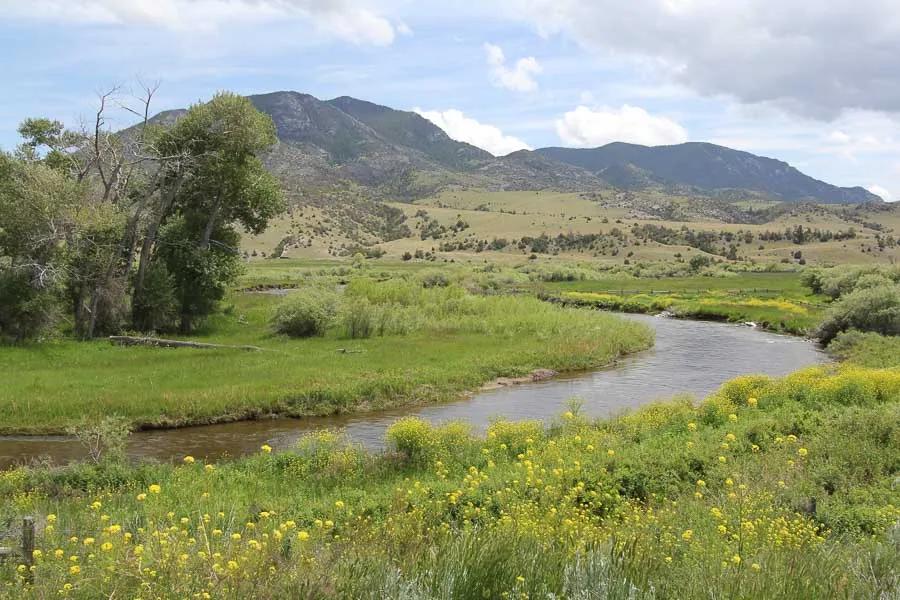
column 512, row 215
column 787, row 283
column 867, row 349
column 454, row 342
column 775, row 301
column 771, row 488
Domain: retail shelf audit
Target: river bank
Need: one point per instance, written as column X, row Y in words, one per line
column 443, row 342
column 769, row 488
column 689, row 357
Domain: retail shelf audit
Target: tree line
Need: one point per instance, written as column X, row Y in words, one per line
column 102, row 231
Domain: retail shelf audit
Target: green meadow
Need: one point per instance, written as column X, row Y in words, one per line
column 441, row 342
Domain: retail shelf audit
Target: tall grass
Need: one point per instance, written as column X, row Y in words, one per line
column 410, row 345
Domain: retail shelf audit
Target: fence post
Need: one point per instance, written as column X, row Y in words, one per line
column 28, row 547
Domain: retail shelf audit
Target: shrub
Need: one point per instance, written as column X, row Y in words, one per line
column 26, row 312
column 305, row 313
column 360, row 318
column 700, row 261
column 413, row 437
column 514, row 436
column 839, row 281
column 866, row 349
column 869, row 309
column 104, row 440
column 434, row 278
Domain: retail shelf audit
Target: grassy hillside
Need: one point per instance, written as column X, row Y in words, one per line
column 463, row 225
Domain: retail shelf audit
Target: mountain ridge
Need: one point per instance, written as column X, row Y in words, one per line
column 348, row 143
column 705, row 166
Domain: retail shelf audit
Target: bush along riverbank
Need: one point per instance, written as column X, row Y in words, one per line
column 770, row 488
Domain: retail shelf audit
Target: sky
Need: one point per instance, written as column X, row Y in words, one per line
column 816, row 84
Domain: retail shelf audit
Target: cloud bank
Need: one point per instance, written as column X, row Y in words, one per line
column 465, row 129
column 349, row 20
column 587, row 127
column 811, row 57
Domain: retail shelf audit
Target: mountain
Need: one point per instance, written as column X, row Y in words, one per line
column 392, row 153
column 703, row 167
column 349, row 144
column 412, row 130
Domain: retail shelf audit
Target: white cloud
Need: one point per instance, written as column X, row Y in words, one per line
column 884, row 193
column 519, row 78
column 815, row 58
column 594, row 127
column 465, row 129
column 347, row 19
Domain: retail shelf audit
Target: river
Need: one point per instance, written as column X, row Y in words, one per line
column 693, row 357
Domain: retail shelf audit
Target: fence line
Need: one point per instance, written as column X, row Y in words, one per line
column 25, row 549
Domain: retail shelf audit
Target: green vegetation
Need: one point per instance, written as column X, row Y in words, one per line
column 866, row 299
column 867, row 349
column 428, row 344
column 308, row 312
column 105, row 231
column 775, row 301
column 784, row 283
column 776, row 314
column 768, row 489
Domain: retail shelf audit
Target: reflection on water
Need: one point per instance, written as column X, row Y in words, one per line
column 691, row 357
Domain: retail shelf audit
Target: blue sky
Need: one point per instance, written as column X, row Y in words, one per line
column 816, row 85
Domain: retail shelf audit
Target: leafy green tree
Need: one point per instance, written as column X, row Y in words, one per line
column 219, row 182
column 38, row 213
column 200, row 277
column 49, row 142
column 78, row 209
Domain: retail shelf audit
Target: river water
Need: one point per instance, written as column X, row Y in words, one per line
column 693, row 357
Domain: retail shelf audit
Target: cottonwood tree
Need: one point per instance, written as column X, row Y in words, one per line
column 144, row 216
column 222, row 183
column 38, row 207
